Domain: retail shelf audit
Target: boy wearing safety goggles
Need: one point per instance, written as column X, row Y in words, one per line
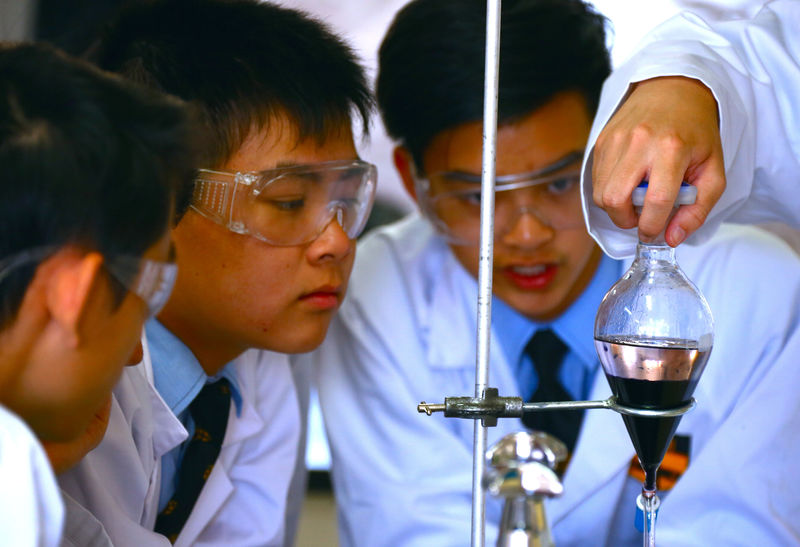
column 265, row 252
column 91, row 172
column 407, row 332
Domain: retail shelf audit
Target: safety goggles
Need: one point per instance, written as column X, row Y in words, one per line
column 288, row 205
column 452, row 200
column 150, row 280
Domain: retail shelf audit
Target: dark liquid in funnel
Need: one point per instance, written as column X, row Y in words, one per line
column 651, row 436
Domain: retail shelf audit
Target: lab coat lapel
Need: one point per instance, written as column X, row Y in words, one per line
column 452, row 341
column 245, row 425
column 219, row 486
column 169, row 432
column 603, row 449
column 154, row 436
column 215, row 493
column 451, row 321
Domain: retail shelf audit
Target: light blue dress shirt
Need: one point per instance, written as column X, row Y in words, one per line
column 178, row 378
column 575, row 327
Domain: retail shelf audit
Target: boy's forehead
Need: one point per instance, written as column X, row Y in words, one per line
column 529, row 143
column 456, row 148
column 278, row 144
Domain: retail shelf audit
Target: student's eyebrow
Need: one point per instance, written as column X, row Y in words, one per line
column 288, row 163
column 284, row 164
column 564, row 161
column 311, row 175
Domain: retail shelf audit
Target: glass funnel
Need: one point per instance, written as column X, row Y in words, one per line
column 653, row 334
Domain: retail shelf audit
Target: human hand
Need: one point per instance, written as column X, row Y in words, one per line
column 667, row 131
column 64, row 456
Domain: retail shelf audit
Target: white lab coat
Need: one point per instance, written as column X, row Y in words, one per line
column 753, row 69
column 407, row 333
column 31, row 511
column 81, row 528
column 246, row 500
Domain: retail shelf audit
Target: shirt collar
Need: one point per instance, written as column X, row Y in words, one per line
column 177, row 374
column 575, row 326
column 513, row 331
column 577, row 322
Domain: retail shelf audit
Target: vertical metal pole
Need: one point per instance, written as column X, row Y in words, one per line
column 486, row 260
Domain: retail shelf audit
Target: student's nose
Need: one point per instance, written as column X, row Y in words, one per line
column 136, row 355
column 333, row 243
column 526, row 230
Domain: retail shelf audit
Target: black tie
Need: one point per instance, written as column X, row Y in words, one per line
column 209, row 411
column 547, row 351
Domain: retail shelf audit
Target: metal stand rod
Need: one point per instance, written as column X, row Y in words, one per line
column 491, row 79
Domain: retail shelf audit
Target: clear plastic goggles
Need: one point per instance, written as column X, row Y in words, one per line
column 452, row 201
column 288, row 205
column 150, row 280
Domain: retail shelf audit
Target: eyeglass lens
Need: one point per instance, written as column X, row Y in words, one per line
column 295, row 208
column 555, row 203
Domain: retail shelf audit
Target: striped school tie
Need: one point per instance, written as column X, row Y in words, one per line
column 547, row 352
column 209, row 411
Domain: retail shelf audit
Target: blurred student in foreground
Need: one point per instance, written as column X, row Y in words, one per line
column 91, row 169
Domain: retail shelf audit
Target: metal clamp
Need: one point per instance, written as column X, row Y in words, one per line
column 491, row 406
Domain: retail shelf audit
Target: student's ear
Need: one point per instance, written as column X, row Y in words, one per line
column 404, row 164
column 76, row 281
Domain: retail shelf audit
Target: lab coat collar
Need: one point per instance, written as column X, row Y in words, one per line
column 219, row 486
column 169, row 432
column 249, row 421
column 215, row 493
column 576, row 324
column 456, row 290
column 179, row 376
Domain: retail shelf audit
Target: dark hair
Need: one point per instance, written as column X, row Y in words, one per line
column 86, row 159
column 431, row 63
column 242, row 62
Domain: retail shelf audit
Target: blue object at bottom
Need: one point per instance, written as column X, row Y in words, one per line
column 638, row 520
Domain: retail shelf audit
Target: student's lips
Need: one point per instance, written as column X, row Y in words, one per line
column 531, row 277
column 323, row 298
